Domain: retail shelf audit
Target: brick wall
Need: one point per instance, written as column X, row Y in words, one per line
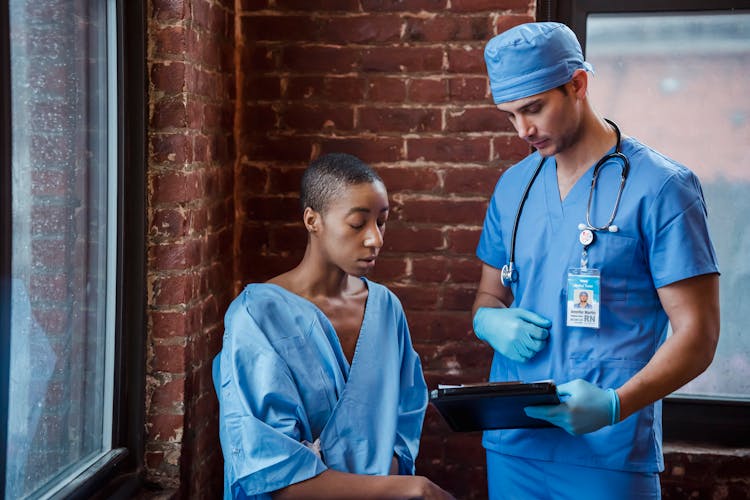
column 190, row 217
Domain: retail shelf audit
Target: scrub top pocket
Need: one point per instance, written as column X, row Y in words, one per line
column 614, row 255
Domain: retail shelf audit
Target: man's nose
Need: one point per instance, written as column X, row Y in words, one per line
column 524, row 127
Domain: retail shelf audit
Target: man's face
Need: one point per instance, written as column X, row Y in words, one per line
column 583, row 297
column 547, row 121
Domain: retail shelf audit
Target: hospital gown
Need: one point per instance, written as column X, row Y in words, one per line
column 662, row 238
column 291, row 406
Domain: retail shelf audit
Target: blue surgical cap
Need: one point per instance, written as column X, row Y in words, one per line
column 530, row 59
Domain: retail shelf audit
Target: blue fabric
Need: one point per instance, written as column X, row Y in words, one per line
column 530, row 59
column 663, row 238
column 516, row 478
column 283, row 382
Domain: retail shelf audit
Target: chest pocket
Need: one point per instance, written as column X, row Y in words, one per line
column 615, row 256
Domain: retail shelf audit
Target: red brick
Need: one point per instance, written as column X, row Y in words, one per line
column 473, row 119
column 368, row 149
column 466, row 60
column 399, row 119
column 169, row 113
column 175, row 187
column 450, row 28
column 465, row 240
column 49, row 182
column 318, row 118
column 48, row 253
column 364, row 29
column 285, row 179
column 169, row 358
column 51, row 150
column 287, row 237
column 465, row 180
column 171, row 148
column 429, row 269
column 465, row 270
column 169, row 41
column 168, row 10
column 261, row 88
column 276, row 27
column 444, row 211
column 277, row 148
column 50, row 220
column 491, row 5
column 168, row 77
column 169, row 395
column 468, row 89
column 255, row 267
column 402, row 59
column 336, row 88
column 313, row 58
column 167, row 324
column 174, row 256
column 449, row 149
column 416, row 296
column 440, row 326
column 249, row 5
column 259, row 117
column 404, row 5
column 273, row 208
column 164, row 427
column 504, row 23
column 407, row 238
column 458, row 298
column 386, row 89
column 52, row 287
column 168, row 223
column 261, row 57
column 428, row 90
column 173, row 290
column 389, row 269
column 419, row 179
column 318, row 5
column 509, row 148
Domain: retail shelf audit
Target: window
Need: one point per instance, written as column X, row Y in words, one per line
column 674, row 75
column 71, row 258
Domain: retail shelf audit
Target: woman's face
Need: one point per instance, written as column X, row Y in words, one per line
column 350, row 231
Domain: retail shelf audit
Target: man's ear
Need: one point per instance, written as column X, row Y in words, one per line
column 311, row 218
column 580, row 82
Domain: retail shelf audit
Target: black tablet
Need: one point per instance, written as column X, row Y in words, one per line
column 493, row 405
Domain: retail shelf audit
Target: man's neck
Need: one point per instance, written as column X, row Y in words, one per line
column 596, row 138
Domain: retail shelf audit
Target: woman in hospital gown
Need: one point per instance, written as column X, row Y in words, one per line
column 321, row 393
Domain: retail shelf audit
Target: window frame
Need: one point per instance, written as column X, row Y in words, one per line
column 713, row 421
column 119, row 473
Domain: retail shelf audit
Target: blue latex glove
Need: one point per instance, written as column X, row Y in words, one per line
column 515, row 333
column 584, row 408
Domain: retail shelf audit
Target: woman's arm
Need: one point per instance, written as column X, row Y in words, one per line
column 332, row 485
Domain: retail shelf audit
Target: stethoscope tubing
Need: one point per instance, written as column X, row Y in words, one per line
column 508, row 273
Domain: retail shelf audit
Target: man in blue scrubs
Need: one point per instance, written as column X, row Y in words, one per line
column 644, row 263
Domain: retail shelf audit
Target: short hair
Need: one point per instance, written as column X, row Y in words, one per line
column 328, row 175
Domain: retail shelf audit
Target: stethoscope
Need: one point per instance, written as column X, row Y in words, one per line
column 509, row 274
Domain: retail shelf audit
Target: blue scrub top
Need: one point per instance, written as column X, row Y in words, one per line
column 291, row 405
column 662, row 238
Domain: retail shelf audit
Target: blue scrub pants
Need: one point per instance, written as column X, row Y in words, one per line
column 515, row 478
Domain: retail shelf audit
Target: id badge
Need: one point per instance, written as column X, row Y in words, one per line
column 584, row 295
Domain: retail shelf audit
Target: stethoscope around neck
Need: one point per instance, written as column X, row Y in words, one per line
column 509, row 274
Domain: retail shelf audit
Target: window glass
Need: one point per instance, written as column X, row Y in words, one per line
column 679, row 83
column 60, row 399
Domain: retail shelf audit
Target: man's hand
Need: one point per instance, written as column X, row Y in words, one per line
column 515, row 333
column 586, row 409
